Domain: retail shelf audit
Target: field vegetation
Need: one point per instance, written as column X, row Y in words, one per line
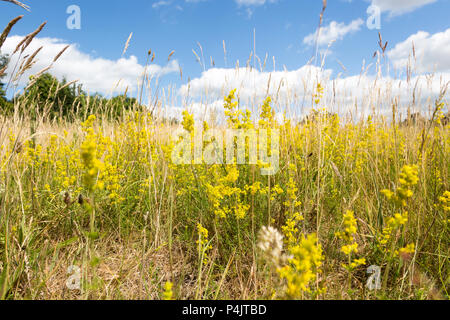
column 89, row 190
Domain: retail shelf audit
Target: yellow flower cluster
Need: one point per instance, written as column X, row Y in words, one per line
column 445, row 201
column 393, row 224
column 202, row 243
column 350, row 246
column 188, row 121
column 408, row 178
column 267, row 114
column 168, row 293
column 88, row 152
column 349, row 227
column 293, row 218
column 303, row 265
column 410, row 248
column 226, row 197
column 125, row 170
column 231, row 113
column 319, row 93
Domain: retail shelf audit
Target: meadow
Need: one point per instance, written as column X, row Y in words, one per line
column 94, row 207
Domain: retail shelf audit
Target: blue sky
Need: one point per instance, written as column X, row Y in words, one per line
column 281, row 28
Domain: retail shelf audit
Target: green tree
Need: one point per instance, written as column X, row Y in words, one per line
column 51, row 97
column 3, row 100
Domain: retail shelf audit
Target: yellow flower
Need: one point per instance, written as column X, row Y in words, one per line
column 188, row 121
column 445, row 201
column 410, row 248
column 168, row 293
column 348, row 249
column 202, row 243
column 303, row 266
column 408, row 179
column 349, row 227
column 357, row 262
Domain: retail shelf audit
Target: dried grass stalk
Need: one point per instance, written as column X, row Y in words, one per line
column 27, row 40
column 7, row 30
column 20, row 4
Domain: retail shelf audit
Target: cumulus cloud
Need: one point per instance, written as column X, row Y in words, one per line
column 400, row 6
column 334, row 31
column 292, row 91
column 251, row 83
column 96, row 74
column 432, row 52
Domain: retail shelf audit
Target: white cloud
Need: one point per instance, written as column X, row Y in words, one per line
column 253, row 2
column 161, row 3
column 334, row 31
column 96, row 74
column 396, row 7
column 251, row 84
column 293, row 91
column 432, row 52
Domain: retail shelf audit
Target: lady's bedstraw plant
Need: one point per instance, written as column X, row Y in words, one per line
column 293, row 216
column 303, row 265
column 388, row 239
column 350, row 246
column 203, row 244
column 92, row 166
column 408, row 179
column 444, row 201
column 168, row 293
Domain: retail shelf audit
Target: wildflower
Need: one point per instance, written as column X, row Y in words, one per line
column 290, row 228
column 267, row 114
column 168, row 293
column 202, row 243
column 254, row 188
column 410, row 248
column 319, row 94
column 348, row 249
column 188, row 121
column 349, row 227
column 350, row 246
column 445, row 201
column 91, row 164
column 357, row 262
column 230, row 110
column 408, row 179
column 393, row 224
column 293, row 217
column 303, row 265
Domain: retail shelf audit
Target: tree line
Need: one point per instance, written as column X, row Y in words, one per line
column 51, row 98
